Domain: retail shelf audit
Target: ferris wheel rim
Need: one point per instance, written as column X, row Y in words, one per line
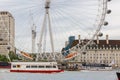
column 100, row 24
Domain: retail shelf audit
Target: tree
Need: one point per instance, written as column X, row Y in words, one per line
column 13, row 56
column 3, row 58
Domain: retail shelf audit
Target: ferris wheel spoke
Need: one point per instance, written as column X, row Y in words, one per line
column 68, row 17
column 72, row 18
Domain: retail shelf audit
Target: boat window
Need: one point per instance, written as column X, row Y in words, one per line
column 48, row 66
column 27, row 66
column 54, row 66
column 34, row 66
column 18, row 66
column 14, row 66
column 41, row 66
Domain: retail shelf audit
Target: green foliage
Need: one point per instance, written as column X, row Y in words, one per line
column 13, row 56
column 33, row 56
column 3, row 58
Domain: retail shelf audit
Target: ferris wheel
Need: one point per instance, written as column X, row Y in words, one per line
column 55, row 21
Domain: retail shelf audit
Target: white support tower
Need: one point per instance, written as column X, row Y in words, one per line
column 46, row 24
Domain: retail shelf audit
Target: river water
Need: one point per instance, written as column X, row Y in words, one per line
column 67, row 75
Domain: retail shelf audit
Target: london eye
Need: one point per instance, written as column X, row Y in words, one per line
column 54, row 21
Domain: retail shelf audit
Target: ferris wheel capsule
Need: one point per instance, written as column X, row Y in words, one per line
column 109, row 11
column 105, row 23
column 109, row 0
column 100, row 34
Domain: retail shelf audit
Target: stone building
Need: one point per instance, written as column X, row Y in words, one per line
column 7, row 32
column 99, row 51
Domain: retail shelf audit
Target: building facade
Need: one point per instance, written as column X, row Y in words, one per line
column 100, row 51
column 7, row 32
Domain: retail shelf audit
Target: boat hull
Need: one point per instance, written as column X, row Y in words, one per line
column 118, row 75
column 5, row 65
column 38, row 71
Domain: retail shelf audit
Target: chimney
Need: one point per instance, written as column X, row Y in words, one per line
column 97, row 39
column 79, row 38
column 66, row 43
column 107, row 41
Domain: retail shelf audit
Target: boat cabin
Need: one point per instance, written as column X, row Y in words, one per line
column 34, row 65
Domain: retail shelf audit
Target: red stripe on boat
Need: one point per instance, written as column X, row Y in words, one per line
column 38, row 71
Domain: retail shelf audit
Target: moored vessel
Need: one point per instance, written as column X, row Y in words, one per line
column 35, row 67
column 5, row 65
column 118, row 75
column 97, row 67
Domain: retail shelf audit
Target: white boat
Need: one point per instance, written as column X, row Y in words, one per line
column 101, row 69
column 97, row 67
column 35, row 67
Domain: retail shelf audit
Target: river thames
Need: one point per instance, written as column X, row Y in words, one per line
column 67, row 75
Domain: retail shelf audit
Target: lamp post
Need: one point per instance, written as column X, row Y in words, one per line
column 8, row 53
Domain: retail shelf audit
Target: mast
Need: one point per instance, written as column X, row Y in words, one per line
column 33, row 31
column 33, row 37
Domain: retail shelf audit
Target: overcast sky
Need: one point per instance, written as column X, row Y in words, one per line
column 18, row 8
